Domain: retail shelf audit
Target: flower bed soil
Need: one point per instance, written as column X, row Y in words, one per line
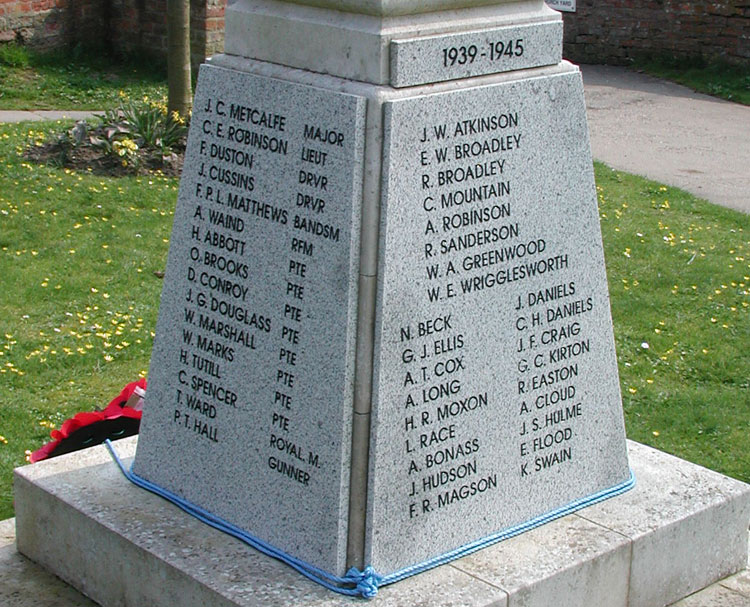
column 84, row 156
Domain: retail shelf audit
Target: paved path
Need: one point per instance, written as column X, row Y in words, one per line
column 23, row 583
column 669, row 133
column 645, row 126
column 23, row 115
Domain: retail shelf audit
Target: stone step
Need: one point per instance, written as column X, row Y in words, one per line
column 681, row 529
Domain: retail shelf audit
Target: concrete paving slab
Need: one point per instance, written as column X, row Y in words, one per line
column 739, row 582
column 25, row 584
column 669, row 133
column 175, row 559
column 7, row 532
column 715, row 596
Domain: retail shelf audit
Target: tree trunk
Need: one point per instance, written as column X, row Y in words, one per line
column 178, row 59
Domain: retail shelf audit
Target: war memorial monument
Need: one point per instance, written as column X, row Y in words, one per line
column 384, row 353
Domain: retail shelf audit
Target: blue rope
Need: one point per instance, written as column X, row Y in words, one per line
column 365, row 582
column 362, row 583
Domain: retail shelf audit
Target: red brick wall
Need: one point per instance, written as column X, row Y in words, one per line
column 50, row 23
column 209, row 38
column 129, row 26
column 138, row 26
column 618, row 30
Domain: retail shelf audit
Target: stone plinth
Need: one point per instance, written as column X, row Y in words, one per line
column 680, row 529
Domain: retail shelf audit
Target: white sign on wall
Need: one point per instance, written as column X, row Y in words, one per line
column 568, row 6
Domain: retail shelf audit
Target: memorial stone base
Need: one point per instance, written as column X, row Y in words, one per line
column 680, row 529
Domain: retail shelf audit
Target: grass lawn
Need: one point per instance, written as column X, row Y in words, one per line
column 79, row 301
column 58, row 81
column 731, row 82
column 679, row 280
column 79, row 296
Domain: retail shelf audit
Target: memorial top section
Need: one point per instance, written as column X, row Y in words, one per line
column 392, row 8
column 399, row 43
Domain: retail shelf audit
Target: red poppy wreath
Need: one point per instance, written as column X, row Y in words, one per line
column 121, row 418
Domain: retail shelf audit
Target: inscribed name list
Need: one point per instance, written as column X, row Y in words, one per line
column 250, row 387
column 496, row 389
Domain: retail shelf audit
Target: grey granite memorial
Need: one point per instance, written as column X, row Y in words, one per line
column 384, row 339
column 384, row 343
